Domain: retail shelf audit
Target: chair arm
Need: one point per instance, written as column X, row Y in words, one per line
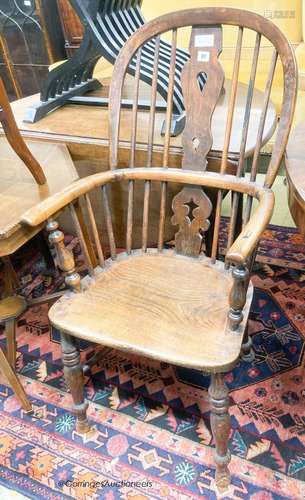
column 248, row 239
column 53, row 204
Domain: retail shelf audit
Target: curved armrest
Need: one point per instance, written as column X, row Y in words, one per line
column 53, row 204
column 248, row 239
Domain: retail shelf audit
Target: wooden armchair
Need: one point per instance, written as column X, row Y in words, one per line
column 182, row 305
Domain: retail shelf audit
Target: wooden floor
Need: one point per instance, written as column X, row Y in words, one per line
column 163, row 306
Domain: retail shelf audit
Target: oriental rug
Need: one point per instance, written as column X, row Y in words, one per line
column 151, row 436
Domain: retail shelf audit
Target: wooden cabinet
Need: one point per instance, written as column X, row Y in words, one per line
column 72, row 27
column 30, row 40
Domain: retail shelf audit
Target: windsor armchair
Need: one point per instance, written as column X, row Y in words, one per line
column 181, row 305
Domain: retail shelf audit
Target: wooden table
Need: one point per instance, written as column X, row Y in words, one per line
column 19, row 191
column 295, row 169
column 84, row 129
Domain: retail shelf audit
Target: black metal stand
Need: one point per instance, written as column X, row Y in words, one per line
column 108, row 25
column 72, row 78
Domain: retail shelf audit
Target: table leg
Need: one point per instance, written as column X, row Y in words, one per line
column 10, row 332
column 14, row 382
column 10, row 277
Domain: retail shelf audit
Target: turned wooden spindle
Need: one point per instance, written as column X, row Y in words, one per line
column 238, row 296
column 220, row 424
column 75, row 380
column 64, row 257
column 247, row 351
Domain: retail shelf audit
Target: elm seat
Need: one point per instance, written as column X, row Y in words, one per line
column 165, row 294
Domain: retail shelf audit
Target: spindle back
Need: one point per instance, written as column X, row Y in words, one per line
column 205, row 39
column 139, row 203
column 202, row 81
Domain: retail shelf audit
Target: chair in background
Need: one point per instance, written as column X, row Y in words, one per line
column 12, row 306
column 183, row 306
column 23, row 182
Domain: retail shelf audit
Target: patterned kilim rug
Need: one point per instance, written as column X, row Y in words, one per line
column 151, row 437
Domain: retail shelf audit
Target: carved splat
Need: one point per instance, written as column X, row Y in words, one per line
column 191, row 209
column 191, row 206
column 200, row 101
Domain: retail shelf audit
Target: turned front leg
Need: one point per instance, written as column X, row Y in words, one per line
column 220, row 424
column 238, row 297
column 75, row 380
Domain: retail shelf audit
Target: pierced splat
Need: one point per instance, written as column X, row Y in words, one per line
column 200, row 100
column 191, row 206
column 192, row 209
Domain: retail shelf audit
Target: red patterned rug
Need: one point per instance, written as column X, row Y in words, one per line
column 151, row 437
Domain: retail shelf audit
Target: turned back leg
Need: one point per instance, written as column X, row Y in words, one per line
column 220, row 423
column 247, row 352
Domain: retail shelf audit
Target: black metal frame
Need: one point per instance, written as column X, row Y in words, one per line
column 108, row 24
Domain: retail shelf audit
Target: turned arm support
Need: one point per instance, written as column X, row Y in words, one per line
column 64, row 257
column 245, row 244
column 241, row 253
column 238, row 295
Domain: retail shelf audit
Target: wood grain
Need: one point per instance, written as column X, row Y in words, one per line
column 213, row 16
column 15, row 139
column 19, row 191
column 186, row 322
column 192, row 209
column 37, row 214
column 200, row 103
column 11, row 344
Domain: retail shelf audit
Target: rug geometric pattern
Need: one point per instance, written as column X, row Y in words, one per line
column 151, row 435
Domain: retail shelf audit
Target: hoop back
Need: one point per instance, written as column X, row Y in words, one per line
column 202, row 81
